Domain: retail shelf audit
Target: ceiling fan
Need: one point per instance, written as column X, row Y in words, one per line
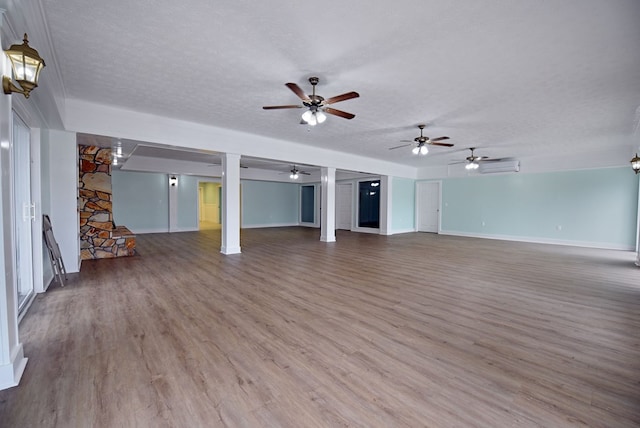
column 315, row 104
column 422, row 142
column 295, row 173
column 473, row 162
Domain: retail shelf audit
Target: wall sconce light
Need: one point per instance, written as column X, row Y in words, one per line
column 635, row 163
column 173, row 181
column 26, row 64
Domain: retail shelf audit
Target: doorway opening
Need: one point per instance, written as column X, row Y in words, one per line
column 369, row 204
column 209, row 205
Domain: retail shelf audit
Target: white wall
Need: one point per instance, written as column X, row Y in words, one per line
column 63, row 195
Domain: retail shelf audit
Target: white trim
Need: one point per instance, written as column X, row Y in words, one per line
column 313, row 226
column 399, row 231
column 533, row 240
column 186, row 229
column 266, row 225
column 230, row 250
column 144, row 231
column 26, row 307
column 366, row 230
column 11, row 373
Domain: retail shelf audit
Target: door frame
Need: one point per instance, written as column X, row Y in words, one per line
column 418, row 203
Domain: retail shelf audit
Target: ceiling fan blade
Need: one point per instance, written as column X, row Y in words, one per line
column 299, row 92
column 342, row 97
column 339, row 113
column 457, row 162
column 406, row 141
column 397, row 147
column 278, row 107
column 303, row 173
column 441, row 144
column 440, row 139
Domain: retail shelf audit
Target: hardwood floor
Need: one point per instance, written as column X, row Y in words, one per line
column 407, row 330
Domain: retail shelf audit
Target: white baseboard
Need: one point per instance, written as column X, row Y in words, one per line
column 398, row 231
column 261, row 226
column 533, row 240
column 153, row 230
column 230, row 250
column 11, row 373
column 186, row 229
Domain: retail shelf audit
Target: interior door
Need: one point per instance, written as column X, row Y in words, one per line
column 344, row 201
column 24, row 209
column 428, row 206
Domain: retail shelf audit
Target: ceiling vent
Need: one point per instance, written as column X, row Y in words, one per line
column 504, row 165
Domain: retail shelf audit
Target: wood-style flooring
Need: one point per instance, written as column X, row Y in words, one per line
column 370, row 331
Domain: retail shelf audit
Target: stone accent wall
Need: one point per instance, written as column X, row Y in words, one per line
column 97, row 237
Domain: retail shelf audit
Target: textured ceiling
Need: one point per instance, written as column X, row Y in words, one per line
column 512, row 78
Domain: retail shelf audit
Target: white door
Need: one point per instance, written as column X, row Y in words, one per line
column 344, row 202
column 428, row 202
column 24, row 209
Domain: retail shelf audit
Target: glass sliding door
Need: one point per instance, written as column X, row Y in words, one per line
column 24, row 209
column 369, row 204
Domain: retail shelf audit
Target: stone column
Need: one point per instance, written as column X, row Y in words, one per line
column 230, row 204
column 328, row 207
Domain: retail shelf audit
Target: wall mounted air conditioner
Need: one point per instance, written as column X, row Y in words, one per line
column 504, row 165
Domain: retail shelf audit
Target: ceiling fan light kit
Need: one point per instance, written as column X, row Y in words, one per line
column 316, row 105
column 422, row 142
column 472, row 165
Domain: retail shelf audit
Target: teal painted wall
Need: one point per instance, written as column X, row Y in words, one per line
column 588, row 207
column 187, row 202
column 267, row 203
column 403, row 196
column 140, row 200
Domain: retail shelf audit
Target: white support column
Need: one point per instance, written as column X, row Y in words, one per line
column 230, row 204
column 386, row 204
column 173, row 201
column 328, row 206
column 12, row 360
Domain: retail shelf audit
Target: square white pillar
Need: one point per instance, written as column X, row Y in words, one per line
column 386, row 204
column 230, row 204
column 328, row 206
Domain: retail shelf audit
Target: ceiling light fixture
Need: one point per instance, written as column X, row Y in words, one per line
column 635, row 163
column 313, row 116
column 472, row 165
column 294, row 175
column 420, row 149
column 26, row 64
